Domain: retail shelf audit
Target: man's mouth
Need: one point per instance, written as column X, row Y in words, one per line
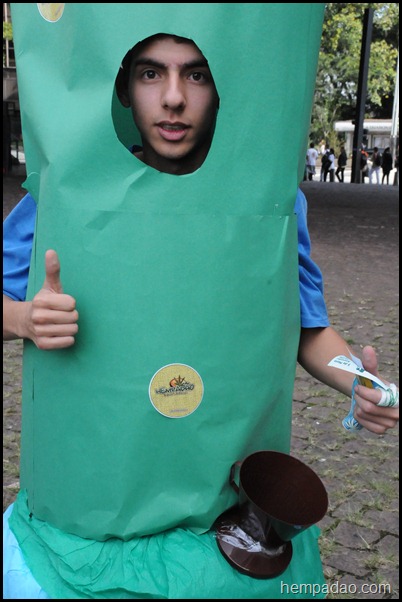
column 173, row 126
column 172, row 132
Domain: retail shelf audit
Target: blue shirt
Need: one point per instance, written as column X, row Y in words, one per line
column 18, row 232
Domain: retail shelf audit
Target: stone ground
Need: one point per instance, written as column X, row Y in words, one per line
column 355, row 234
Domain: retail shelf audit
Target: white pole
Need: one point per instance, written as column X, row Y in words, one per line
column 395, row 111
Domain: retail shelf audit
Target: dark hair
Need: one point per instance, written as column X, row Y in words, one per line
column 124, row 71
column 123, row 75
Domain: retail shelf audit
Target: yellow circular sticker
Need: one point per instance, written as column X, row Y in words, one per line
column 51, row 11
column 176, row 390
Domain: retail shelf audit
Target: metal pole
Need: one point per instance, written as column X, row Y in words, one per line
column 361, row 93
column 395, row 111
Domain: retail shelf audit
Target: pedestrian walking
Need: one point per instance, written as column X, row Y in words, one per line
column 387, row 164
column 331, row 166
column 311, row 160
column 325, row 165
column 342, row 161
column 396, row 176
column 375, row 165
column 364, row 166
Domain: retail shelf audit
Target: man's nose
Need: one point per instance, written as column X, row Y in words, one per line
column 173, row 93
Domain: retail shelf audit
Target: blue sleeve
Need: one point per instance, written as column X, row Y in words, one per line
column 18, row 232
column 313, row 310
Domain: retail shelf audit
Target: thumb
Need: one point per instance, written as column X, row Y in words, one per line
column 369, row 360
column 52, row 268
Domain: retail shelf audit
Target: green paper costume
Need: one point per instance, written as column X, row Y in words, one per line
column 186, row 286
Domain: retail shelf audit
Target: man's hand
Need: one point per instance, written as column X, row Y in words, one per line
column 373, row 417
column 52, row 317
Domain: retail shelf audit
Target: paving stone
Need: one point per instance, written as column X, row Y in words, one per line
column 389, row 546
column 389, row 521
column 354, row 536
column 349, row 561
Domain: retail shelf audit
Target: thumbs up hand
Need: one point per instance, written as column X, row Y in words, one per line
column 52, row 267
column 52, row 319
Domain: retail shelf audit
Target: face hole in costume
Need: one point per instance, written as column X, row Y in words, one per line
column 199, row 106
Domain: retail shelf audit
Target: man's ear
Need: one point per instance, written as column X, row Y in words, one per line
column 121, row 88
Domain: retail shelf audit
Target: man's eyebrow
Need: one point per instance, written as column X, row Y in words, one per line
column 159, row 65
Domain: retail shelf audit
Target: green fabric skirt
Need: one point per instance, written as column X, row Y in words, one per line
column 175, row 564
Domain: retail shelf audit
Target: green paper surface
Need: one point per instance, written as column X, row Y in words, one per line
column 198, row 270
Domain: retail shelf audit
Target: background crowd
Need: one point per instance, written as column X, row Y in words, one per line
column 376, row 165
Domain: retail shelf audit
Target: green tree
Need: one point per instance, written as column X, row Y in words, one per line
column 7, row 31
column 7, row 35
column 339, row 61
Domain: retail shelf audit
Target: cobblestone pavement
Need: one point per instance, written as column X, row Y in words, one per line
column 355, row 233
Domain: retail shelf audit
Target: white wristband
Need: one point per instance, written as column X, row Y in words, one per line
column 389, row 397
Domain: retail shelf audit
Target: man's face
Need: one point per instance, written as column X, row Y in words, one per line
column 174, row 104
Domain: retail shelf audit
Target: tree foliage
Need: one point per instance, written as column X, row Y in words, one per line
column 7, row 31
column 339, row 62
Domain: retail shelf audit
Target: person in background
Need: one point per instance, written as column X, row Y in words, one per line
column 325, row 163
column 363, row 164
column 331, row 166
column 396, row 176
column 342, row 161
column 311, row 160
column 375, row 166
column 387, row 164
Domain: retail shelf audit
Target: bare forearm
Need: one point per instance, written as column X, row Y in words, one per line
column 15, row 319
column 317, row 347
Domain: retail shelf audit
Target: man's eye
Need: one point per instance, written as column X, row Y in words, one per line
column 149, row 74
column 197, row 76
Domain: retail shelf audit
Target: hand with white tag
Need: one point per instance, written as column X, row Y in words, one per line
column 375, row 404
